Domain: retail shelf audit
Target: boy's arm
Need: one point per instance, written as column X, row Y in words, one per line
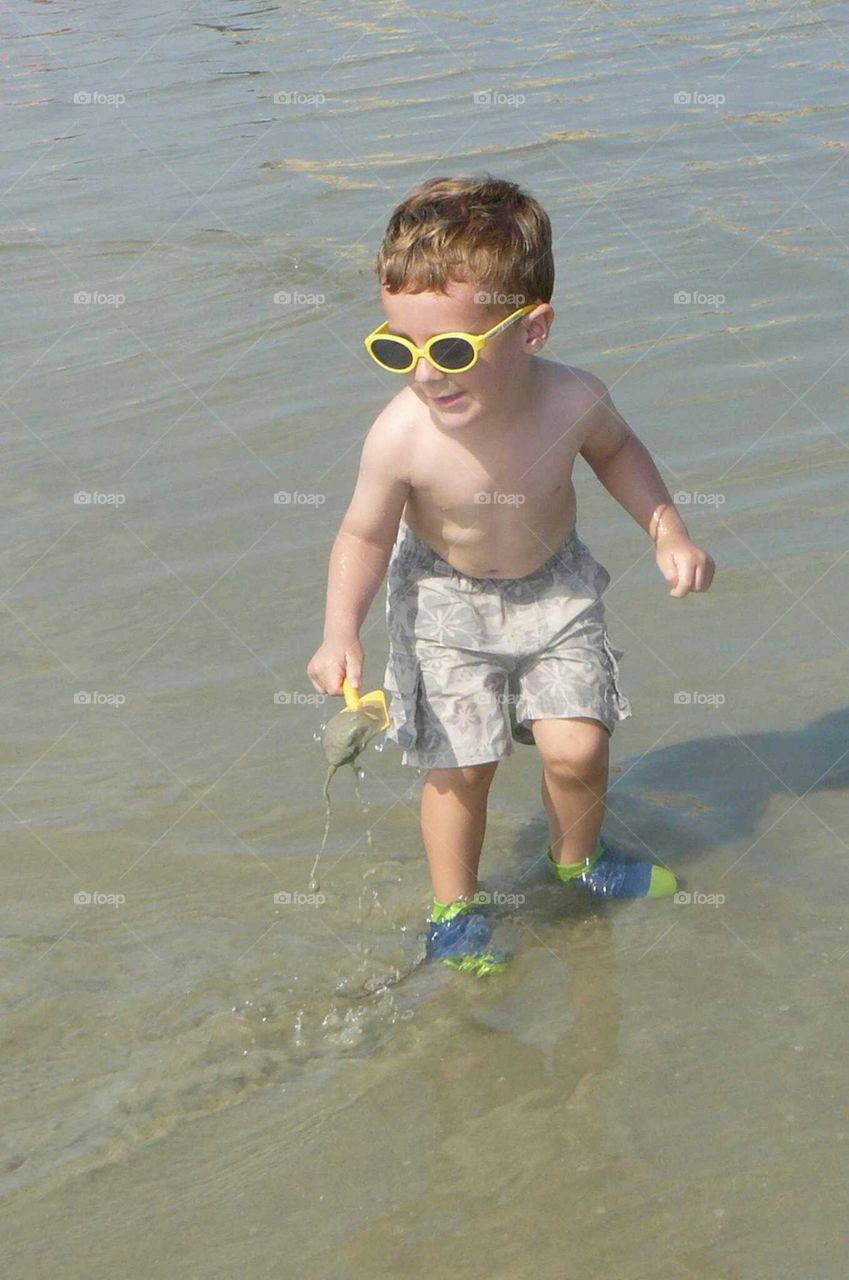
column 626, row 469
column 369, row 527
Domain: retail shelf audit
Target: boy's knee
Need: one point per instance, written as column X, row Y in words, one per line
column 581, row 751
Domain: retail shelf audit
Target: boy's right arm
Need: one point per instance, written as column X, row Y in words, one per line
column 361, row 551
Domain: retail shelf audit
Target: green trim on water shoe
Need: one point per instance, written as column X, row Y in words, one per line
column 662, row 884
column 448, row 910
column 574, row 870
column 480, row 966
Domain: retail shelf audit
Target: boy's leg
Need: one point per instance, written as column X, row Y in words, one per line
column 453, row 816
column 575, row 756
column 575, row 753
column 453, row 825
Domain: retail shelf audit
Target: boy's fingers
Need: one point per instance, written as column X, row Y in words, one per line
column 334, row 679
column 686, row 581
column 670, row 572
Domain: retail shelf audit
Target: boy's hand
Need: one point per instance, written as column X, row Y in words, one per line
column 333, row 660
column 684, row 565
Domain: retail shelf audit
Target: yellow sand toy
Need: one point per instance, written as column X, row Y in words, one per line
column 351, row 730
column 353, row 701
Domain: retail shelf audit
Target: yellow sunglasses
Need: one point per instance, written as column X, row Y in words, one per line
column 448, row 352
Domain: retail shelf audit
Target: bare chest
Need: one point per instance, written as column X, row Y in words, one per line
column 497, row 513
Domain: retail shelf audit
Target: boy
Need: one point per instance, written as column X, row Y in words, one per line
column 494, row 604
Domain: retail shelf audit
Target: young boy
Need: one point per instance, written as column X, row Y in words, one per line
column 494, row 604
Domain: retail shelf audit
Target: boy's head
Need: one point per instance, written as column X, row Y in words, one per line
column 459, row 255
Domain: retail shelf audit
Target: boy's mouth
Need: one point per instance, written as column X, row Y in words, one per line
column 445, row 402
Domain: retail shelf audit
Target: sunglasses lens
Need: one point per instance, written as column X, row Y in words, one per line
column 394, row 355
column 453, row 353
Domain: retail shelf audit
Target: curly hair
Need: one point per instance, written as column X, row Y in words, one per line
column 481, row 230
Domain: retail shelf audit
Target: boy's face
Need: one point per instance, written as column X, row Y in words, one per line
column 457, row 398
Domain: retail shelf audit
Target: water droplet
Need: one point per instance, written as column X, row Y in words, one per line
column 316, row 737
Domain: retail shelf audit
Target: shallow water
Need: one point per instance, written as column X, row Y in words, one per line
column 209, row 1069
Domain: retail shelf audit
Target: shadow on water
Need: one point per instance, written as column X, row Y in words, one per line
column 688, row 801
column 679, row 805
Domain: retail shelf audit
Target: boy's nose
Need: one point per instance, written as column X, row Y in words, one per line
column 425, row 372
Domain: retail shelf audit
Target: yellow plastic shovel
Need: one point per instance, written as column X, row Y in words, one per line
column 355, row 702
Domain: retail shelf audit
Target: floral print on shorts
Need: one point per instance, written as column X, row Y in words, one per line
column 472, row 661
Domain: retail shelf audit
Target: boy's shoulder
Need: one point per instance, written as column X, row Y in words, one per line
column 579, row 384
column 390, row 439
column 568, row 397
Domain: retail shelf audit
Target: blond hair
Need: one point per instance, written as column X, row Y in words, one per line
column 484, row 230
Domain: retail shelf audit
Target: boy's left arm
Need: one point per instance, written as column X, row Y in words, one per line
column 625, row 467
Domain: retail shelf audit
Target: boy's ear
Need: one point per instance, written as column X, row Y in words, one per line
column 538, row 325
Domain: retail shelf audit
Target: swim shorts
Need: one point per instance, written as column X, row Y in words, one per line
column 472, row 661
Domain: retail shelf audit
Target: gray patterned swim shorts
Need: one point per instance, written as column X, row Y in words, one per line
column 472, row 661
